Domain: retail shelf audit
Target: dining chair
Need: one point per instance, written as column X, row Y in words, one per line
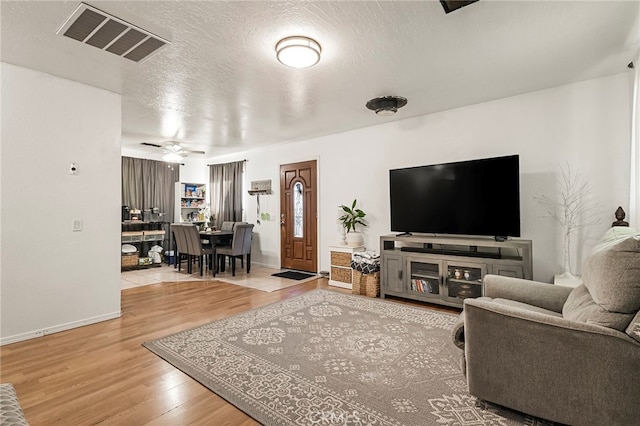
column 181, row 245
column 227, row 226
column 195, row 248
column 240, row 246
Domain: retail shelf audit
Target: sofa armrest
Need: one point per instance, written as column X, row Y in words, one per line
column 542, row 295
column 551, row 367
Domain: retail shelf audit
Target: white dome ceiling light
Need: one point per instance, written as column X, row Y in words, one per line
column 298, row 52
column 386, row 105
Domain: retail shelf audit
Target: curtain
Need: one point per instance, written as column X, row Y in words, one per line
column 634, row 197
column 132, row 182
column 225, row 183
column 149, row 183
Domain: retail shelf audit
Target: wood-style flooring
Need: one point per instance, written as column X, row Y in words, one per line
column 101, row 373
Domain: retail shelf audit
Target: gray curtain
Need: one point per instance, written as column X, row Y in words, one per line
column 225, row 183
column 149, row 183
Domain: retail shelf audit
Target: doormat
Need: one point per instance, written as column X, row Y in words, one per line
column 293, row 275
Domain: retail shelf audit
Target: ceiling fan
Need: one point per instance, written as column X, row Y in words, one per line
column 173, row 150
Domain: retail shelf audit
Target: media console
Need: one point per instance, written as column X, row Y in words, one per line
column 448, row 269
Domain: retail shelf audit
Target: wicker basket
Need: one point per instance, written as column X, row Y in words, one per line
column 130, row 259
column 366, row 284
column 357, row 286
column 341, row 274
column 340, row 259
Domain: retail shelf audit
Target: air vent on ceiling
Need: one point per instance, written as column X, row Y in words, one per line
column 451, row 5
column 99, row 29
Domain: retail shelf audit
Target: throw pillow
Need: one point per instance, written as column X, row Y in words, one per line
column 611, row 273
column 581, row 307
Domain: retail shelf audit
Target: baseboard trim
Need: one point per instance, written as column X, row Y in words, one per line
column 265, row 265
column 58, row 328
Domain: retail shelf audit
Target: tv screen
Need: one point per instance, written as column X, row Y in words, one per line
column 477, row 197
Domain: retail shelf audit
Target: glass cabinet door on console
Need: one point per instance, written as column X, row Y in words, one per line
column 424, row 278
column 464, row 280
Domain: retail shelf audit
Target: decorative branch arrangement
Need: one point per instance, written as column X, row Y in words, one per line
column 573, row 209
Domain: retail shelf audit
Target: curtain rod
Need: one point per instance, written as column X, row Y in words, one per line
column 216, row 164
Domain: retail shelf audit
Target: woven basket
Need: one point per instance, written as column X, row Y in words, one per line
column 357, row 286
column 366, row 284
column 129, row 260
column 341, row 274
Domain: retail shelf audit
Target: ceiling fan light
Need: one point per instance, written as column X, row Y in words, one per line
column 298, row 52
column 172, row 157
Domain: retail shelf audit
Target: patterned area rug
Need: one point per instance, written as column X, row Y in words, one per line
column 327, row 358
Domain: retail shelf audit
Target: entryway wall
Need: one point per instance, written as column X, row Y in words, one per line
column 54, row 277
column 586, row 124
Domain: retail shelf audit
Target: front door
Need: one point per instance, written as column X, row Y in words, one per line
column 298, row 216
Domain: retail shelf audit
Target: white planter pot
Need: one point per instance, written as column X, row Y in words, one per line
column 355, row 239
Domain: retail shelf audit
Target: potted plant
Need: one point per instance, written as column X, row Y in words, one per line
column 351, row 217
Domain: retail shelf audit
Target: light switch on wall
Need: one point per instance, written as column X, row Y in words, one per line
column 77, row 224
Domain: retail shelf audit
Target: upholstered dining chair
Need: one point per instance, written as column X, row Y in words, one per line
column 240, row 246
column 227, row 226
column 195, row 248
column 181, row 245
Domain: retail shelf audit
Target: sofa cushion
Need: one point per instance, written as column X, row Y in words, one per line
column 580, row 306
column 634, row 327
column 611, row 273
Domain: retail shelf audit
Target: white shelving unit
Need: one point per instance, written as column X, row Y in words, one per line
column 189, row 198
column 341, row 274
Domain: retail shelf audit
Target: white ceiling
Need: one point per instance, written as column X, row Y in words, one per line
column 218, row 87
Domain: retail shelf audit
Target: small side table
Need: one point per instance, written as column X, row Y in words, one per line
column 341, row 274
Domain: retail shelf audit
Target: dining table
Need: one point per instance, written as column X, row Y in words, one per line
column 215, row 238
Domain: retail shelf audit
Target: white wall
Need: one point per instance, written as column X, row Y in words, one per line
column 585, row 124
column 51, row 277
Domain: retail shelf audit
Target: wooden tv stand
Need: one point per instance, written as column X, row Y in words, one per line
column 448, row 269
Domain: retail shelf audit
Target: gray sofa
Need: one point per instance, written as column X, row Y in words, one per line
column 570, row 355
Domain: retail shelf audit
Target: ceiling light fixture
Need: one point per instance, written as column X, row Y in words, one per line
column 172, row 157
column 386, row 105
column 298, row 52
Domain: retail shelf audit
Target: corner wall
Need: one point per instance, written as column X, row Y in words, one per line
column 586, row 124
column 53, row 278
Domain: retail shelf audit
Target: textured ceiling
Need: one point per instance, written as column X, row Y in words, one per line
column 218, row 87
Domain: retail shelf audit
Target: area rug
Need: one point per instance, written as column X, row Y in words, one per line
column 293, row 275
column 327, row 358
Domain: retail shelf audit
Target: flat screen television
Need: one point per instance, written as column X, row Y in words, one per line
column 478, row 197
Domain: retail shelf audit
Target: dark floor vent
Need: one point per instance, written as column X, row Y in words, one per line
column 99, row 29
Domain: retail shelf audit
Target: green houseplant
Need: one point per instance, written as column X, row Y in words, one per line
column 351, row 217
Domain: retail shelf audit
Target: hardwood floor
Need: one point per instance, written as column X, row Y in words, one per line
column 101, row 373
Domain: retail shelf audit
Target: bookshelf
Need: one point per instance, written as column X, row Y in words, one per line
column 190, row 197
